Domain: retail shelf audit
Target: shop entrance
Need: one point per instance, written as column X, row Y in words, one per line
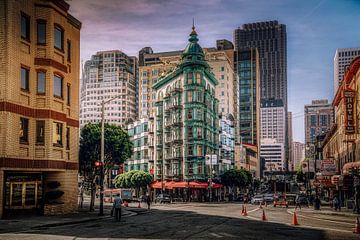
column 23, row 193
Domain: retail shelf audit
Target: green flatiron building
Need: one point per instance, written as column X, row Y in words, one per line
column 186, row 118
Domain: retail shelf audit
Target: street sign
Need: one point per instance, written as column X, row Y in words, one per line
column 328, row 167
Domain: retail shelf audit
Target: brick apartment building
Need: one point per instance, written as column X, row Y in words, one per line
column 39, row 107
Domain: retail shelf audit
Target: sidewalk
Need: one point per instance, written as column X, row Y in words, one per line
column 22, row 223
column 329, row 211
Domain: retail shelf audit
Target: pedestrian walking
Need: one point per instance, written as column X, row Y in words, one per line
column 117, row 207
column 148, row 201
column 335, row 203
column 297, row 202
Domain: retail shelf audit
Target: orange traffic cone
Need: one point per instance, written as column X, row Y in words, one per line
column 294, row 221
column 245, row 212
column 357, row 226
column 139, row 205
column 263, row 216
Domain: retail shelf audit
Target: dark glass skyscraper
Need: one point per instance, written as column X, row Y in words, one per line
column 247, row 70
column 270, row 39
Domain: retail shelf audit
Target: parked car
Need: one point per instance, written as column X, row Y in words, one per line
column 163, row 198
column 257, row 199
column 269, row 197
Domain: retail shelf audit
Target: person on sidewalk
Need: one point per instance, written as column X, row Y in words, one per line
column 148, row 201
column 117, row 207
column 297, row 202
column 317, row 203
column 335, row 203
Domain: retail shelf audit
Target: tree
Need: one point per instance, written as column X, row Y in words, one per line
column 236, row 178
column 133, row 179
column 117, row 149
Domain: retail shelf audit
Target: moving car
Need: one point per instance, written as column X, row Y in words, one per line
column 257, row 199
column 163, row 198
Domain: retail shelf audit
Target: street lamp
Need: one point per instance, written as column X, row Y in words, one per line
column 101, row 211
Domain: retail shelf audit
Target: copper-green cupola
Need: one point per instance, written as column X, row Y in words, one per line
column 193, row 50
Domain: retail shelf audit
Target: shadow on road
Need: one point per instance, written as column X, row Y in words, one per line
column 175, row 224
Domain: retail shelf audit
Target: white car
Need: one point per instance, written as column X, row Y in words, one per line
column 257, row 199
column 269, row 198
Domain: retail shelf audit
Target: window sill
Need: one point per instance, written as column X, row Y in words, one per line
column 58, row 97
column 57, row 145
column 59, row 49
column 25, row 91
column 41, row 94
column 24, row 143
column 27, row 40
column 40, row 144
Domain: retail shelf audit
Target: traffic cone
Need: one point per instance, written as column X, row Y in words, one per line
column 357, row 226
column 263, row 216
column 245, row 212
column 139, row 205
column 294, row 221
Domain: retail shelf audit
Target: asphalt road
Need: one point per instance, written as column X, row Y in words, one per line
column 203, row 221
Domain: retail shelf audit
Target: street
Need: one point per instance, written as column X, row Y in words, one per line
column 202, row 221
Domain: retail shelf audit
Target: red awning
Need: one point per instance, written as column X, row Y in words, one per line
column 156, row 185
column 203, row 185
column 217, row 185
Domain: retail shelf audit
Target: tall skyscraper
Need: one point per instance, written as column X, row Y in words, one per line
column 248, row 78
column 109, row 74
column 342, row 60
column 319, row 115
column 39, row 105
column 273, row 128
column 270, row 40
column 290, row 142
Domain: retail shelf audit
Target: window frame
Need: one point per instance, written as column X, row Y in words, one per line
column 61, row 29
column 24, row 131
column 27, row 76
column 68, row 94
column 38, row 22
column 58, row 143
column 37, row 142
column 67, row 136
column 27, row 17
column 40, row 71
column 68, row 47
column 62, row 83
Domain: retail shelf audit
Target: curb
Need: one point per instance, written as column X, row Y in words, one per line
column 76, row 222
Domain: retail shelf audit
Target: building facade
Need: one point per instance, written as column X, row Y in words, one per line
column 141, row 133
column 156, row 65
column 248, row 78
column 274, row 154
column 319, row 116
column 39, row 116
column 298, row 153
column 272, row 120
column 341, row 144
column 107, row 75
column 342, row 60
column 290, row 142
column 186, row 119
column 227, row 144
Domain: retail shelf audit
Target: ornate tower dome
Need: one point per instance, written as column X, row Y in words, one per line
column 193, row 51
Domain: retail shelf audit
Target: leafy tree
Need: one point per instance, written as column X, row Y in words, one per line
column 117, row 149
column 133, row 179
column 236, row 178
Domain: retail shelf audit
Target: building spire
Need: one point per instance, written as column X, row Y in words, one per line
column 193, row 34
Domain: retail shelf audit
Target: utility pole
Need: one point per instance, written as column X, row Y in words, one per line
column 102, row 153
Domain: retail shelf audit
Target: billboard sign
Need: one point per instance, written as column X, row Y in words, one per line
column 349, row 96
column 328, row 167
column 211, row 159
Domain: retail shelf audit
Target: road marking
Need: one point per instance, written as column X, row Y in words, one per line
column 292, row 212
column 254, row 210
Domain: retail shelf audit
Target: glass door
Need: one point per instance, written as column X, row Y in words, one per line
column 16, row 191
column 23, row 195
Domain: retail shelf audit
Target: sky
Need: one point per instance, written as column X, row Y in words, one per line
column 315, row 29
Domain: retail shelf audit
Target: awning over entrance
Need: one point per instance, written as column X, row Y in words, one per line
column 350, row 165
column 172, row 185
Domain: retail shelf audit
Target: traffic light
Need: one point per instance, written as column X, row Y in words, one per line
column 98, row 166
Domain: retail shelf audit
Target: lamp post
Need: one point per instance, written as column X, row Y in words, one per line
column 101, row 210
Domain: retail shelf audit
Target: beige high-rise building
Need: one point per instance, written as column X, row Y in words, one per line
column 290, row 162
column 39, row 107
column 153, row 65
column 298, row 153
